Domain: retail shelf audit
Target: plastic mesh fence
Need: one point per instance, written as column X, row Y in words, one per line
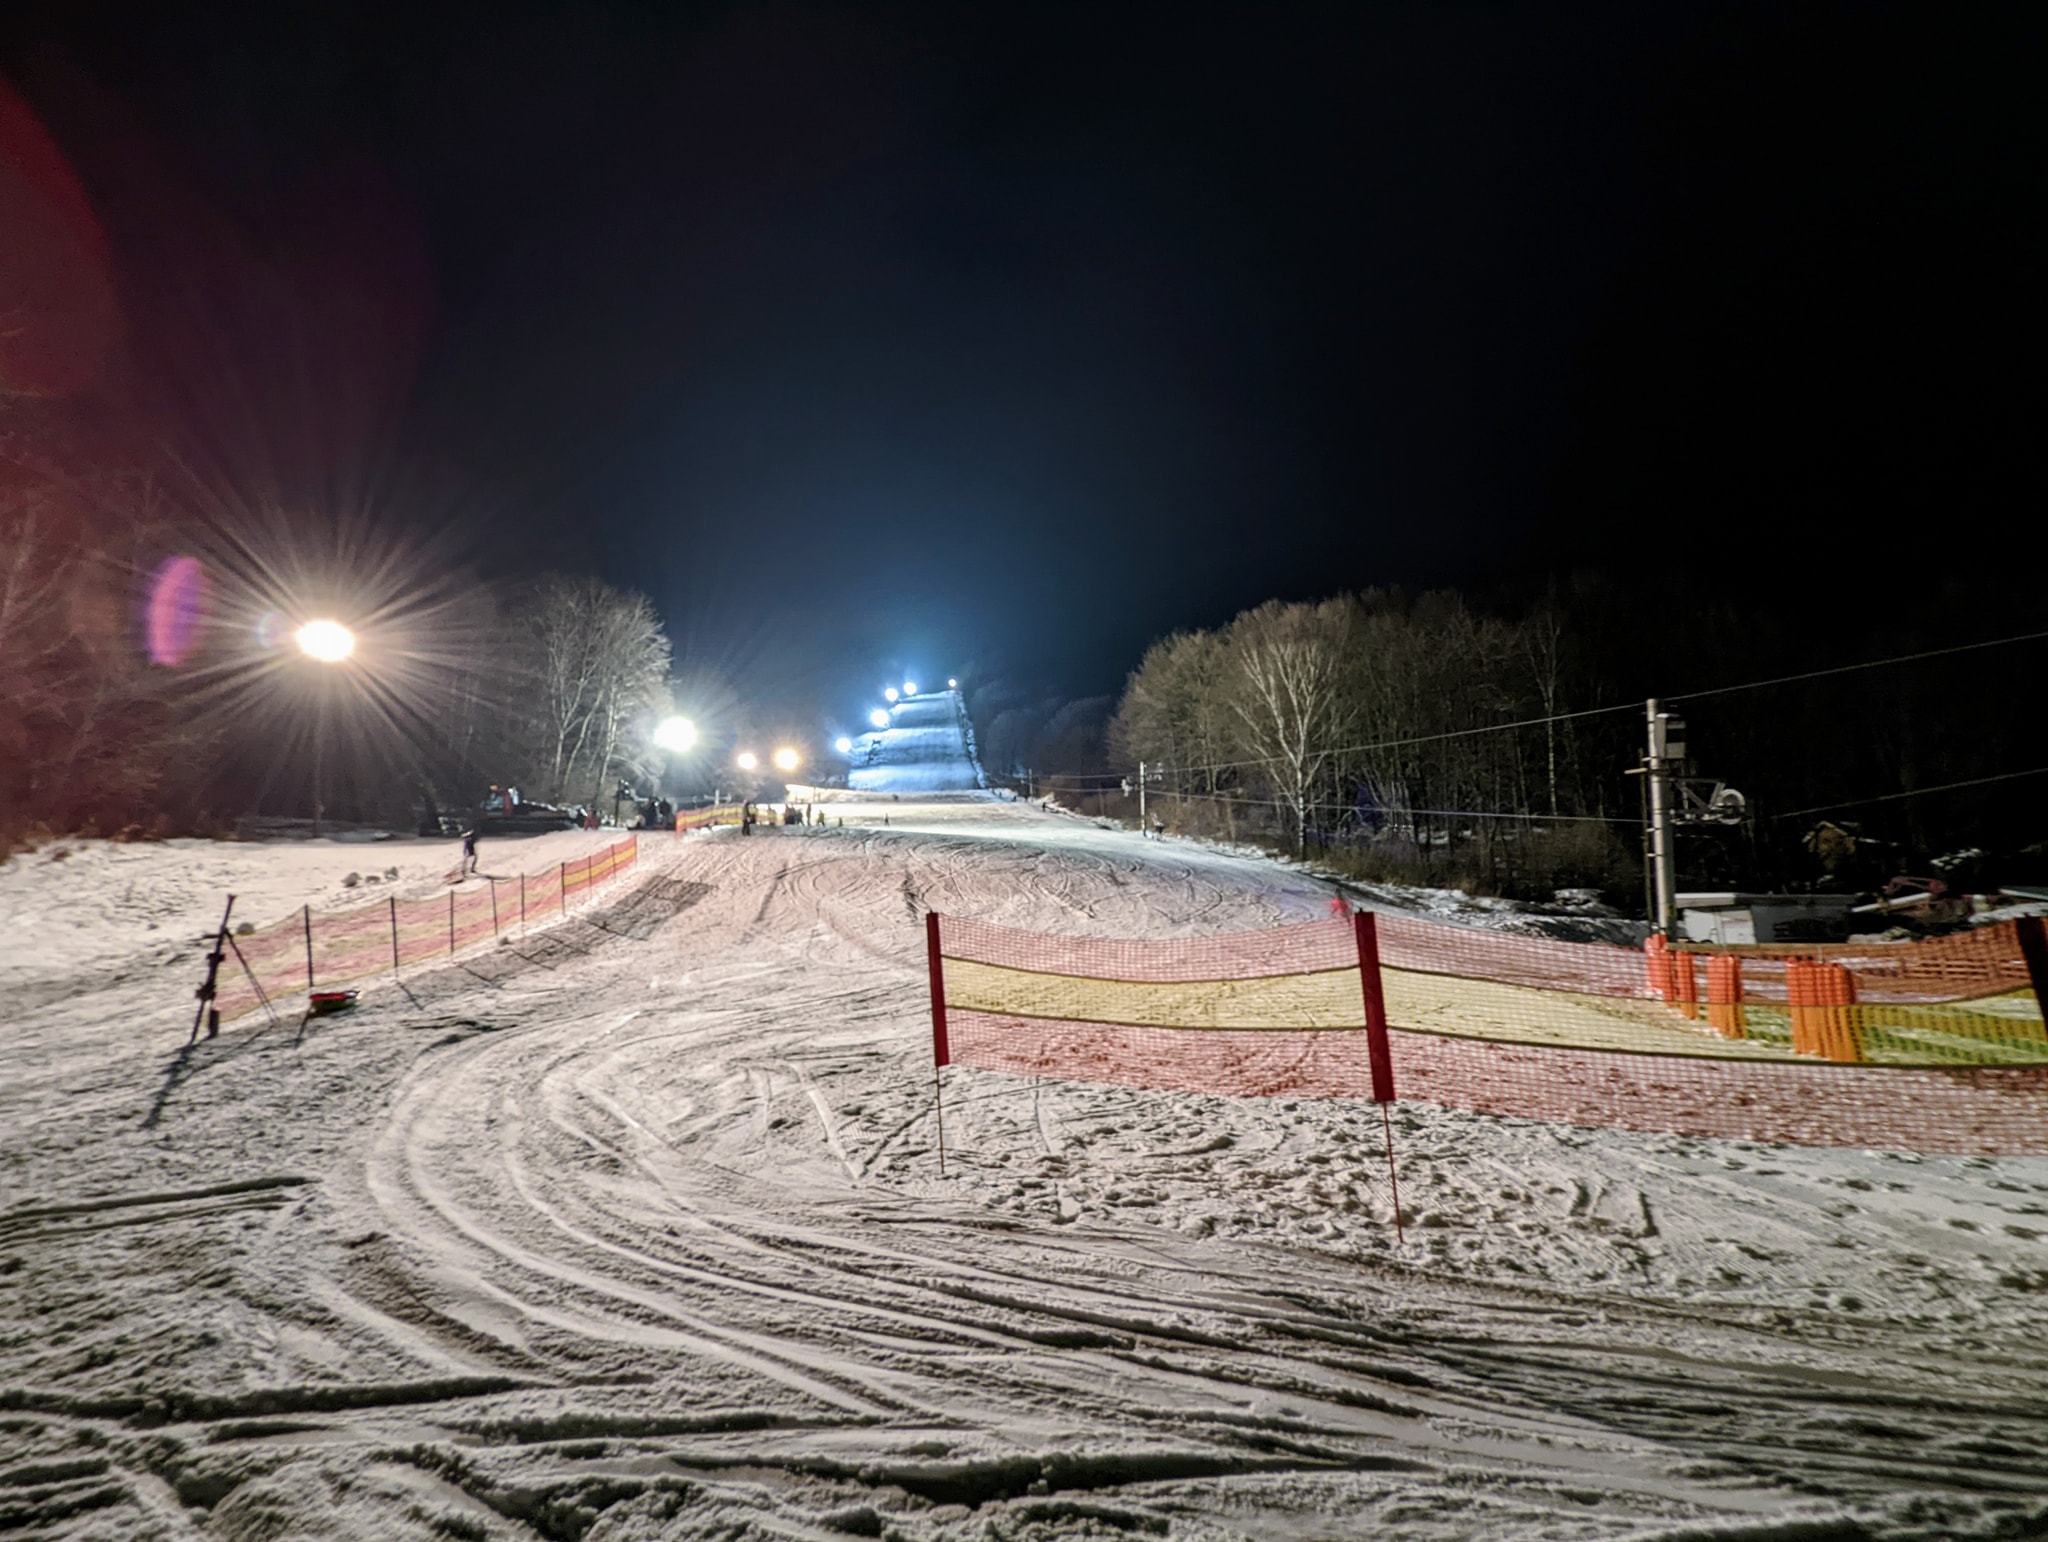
column 312, row 949
column 704, row 818
column 1933, row 1046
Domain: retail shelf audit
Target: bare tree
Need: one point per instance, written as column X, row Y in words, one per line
column 600, row 657
column 1289, row 700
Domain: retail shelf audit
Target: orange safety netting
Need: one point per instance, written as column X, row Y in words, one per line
column 704, row 818
column 310, row 949
column 1937, row 1045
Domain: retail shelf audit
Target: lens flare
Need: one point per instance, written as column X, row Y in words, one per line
column 910, row 688
column 842, row 744
column 179, row 601
column 879, row 718
column 952, row 685
column 272, row 631
column 676, row 735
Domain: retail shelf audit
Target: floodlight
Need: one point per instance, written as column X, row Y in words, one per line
column 747, row 760
column 890, row 693
column 910, row 688
column 786, row 759
column 842, row 744
column 879, row 718
column 952, row 685
column 328, row 641
column 675, row 734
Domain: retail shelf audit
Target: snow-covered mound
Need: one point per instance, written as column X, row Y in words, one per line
column 633, row 1229
column 924, row 749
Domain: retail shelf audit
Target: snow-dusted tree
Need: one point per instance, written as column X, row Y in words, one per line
column 1175, row 713
column 1288, row 697
column 599, row 659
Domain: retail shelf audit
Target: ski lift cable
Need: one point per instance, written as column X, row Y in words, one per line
column 1846, row 669
column 1917, row 792
column 1630, row 706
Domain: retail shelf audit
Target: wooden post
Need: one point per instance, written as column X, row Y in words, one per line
column 942, row 1049
column 494, row 905
column 394, row 934
column 1379, row 1046
column 307, row 912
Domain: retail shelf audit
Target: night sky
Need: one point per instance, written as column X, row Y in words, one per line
column 899, row 338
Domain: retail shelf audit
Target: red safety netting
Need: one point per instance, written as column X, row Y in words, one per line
column 1936, row 1046
column 311, row 949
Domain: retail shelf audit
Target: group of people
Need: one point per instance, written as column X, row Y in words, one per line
column 751, row 815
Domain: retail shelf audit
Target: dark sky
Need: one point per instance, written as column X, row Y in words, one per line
column 884, row 336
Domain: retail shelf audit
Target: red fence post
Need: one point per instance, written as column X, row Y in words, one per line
column 1378, row 1046
column 307, row 912
column 942, row 1050
column 2033, row 939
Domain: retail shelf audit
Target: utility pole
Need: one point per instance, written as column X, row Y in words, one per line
column 1666, row 747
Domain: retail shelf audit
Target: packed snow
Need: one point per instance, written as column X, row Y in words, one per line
column 634, row 1228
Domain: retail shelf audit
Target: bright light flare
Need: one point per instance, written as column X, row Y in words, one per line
column 842, row 744
column 890, row 692
column 879, row 718
column 677, row 735
column 328, row 641
column 952, row 685
column 786, row 759
column 910, row 688
column 747, row 760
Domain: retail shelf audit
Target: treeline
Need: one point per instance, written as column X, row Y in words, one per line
column 119, row 718
column 1371, row 724
column 1430, row 738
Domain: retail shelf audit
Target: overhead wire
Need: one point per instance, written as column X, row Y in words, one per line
column 1914, row 792
column 1585, row 712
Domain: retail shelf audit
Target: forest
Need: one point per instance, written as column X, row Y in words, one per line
column 1432, row 738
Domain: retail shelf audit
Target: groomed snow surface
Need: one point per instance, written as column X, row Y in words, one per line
column 922, row 750
column 633, row 1228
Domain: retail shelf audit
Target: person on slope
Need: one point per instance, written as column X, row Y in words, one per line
column 468, row 851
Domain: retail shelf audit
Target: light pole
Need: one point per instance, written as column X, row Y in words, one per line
column 325, row 642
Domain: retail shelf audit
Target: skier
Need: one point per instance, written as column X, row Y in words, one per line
column 747, row 818
column 468, row 851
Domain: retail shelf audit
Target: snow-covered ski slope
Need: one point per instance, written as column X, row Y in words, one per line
column 924, row 749
column 633, row 1228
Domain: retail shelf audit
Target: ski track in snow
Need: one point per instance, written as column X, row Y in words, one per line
column 632, row 1227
